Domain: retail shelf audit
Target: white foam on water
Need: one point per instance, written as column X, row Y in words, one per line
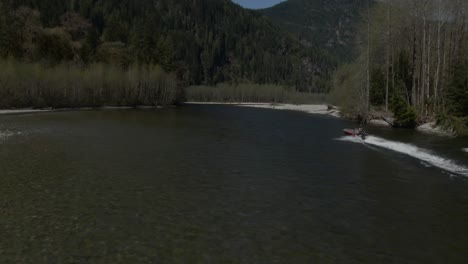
column 465, row 150
column 425, row 164
column 423, row 155
column 4, row 135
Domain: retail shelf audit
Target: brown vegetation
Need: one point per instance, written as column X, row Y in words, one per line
column 409, row 53
column 251, row 93
column 32, row 84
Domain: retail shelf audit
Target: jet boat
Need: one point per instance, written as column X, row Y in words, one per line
column 357, row 132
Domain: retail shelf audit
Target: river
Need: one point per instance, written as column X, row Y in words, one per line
column 226, row 184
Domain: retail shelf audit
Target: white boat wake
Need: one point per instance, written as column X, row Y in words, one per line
column 413, row 151
column 4, row 135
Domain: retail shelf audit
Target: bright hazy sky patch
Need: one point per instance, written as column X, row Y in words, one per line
column 256, row 4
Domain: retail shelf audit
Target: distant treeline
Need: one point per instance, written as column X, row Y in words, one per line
column 237, row 93
column 328, row 24
column 251, row 93
column 414, row 62
column 201, row 42
column 62, row 86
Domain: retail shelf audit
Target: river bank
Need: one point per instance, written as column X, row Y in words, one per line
column 433, row 128
column 46, row 110
column 324, row 109
column 22, row 111
column 320, row 109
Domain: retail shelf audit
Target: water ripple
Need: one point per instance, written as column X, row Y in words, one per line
column 419, row 153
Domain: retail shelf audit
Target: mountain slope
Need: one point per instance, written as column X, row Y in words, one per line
column 328, row 24
column 202, row 41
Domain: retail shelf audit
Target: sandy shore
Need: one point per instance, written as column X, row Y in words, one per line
column 30, row 111
column 311, row 109
column 432, row 128
column 320, row 109
column 379, row 122
column 323, row 109
column 429, row 128
column 23, row 111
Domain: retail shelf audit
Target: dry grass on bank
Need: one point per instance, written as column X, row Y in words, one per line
column 34, row 85
column 254, row 93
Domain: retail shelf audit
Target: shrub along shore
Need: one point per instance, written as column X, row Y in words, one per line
column 252, row 93
column 33, row 85
column 37, row 86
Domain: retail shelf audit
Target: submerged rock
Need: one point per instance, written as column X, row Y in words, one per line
column 433, row 128
column 379, row 122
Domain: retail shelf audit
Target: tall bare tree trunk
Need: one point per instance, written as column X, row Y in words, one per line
column 414, row 100
column 444, row 72
column 368, row 58
column 387, row 57
column 393, row 71
column 428, row 71
column 437, row 75
column 422, row 77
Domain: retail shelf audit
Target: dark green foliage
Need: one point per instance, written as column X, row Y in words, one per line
column 455, row 116
column 377, row 92
column 116, row 30
column 33, row 85
column 115, row 53
column 54, row 46
column 237, row 93
column 75, row 25
column 405, row 115
column 19, row 29
column 165, row 52
column 328, row 24
column 457, row 125
column 403, row 74
column 246, row 92
column 457, row 93
column 403, row 78
column 202, row 41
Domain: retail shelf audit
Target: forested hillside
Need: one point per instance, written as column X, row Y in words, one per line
column 413, row 61
column 328, row 24
column 200, row 41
